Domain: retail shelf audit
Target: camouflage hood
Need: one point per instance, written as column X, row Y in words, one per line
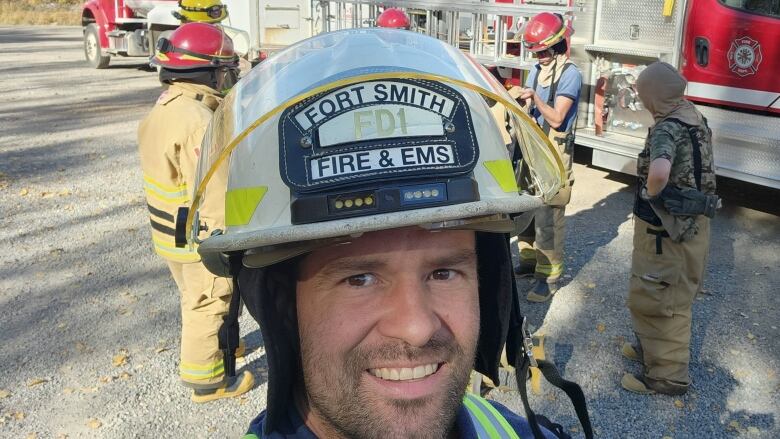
column 661, row 89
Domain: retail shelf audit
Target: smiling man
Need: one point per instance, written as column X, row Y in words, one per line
column 379, row 287
column 391, row 320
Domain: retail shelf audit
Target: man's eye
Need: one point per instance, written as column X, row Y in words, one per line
column 361, row 280
column 442, row 274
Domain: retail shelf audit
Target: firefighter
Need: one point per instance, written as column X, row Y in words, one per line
column 552, row 93
column 393, row 18
column 674, row 203
column 367, row 215
column 201, row 11
column 195, row 62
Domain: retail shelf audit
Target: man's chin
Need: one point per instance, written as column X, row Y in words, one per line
column 413, row 418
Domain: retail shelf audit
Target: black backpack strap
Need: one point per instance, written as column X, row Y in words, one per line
column 228, row 335
column 551, row 374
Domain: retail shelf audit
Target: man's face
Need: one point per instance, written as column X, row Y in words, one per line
column 544, row 57
column 388, row 326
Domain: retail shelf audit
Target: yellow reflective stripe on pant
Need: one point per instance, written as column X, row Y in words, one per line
column 194, row 372
column 487, row 421
column 528, row 253
column 552, row 270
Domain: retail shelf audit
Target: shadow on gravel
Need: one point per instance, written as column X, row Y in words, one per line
column 31, row 36
column 587, row 231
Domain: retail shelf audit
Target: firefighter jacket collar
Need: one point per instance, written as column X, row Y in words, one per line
column 202, row 93
column 552, row 71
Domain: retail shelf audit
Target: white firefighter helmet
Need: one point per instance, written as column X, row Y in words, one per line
column 362, row 130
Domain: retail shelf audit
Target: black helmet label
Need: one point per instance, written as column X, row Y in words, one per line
column 376, row 131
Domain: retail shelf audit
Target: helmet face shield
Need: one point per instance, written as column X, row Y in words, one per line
column 364, row 130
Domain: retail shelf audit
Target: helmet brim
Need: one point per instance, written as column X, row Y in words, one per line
column 538, row 47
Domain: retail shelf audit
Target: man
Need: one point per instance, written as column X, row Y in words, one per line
column 366, row 230
column 196, row 62
column 552, row 93
column 674, row 203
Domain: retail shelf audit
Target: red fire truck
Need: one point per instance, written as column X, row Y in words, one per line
column 131, row 28
column 729, row 50
column 124, row 27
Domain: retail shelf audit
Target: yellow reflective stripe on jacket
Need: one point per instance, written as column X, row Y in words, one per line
column 487, row 421
column 550, row 270
column 165, row 193
column 192, row 371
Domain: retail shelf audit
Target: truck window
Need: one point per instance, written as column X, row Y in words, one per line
column 769, row 8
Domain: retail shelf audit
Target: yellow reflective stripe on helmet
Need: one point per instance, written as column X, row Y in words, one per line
column 549, row 270
column 487, row 421
column 503, row 173
column 511, row 105
column 558, row 35
column 194, row 58
column 240, row 204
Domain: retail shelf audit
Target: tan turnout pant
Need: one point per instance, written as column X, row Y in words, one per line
column 665, row 277
column 205, row 300
column 542, row 242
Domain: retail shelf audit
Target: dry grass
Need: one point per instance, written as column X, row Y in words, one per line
column 53, row 12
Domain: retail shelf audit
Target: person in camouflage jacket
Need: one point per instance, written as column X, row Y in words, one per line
column 670, row 247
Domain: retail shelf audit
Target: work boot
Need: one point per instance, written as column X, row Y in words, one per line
column 632, row 352
column 648, row 386
column 525, row 269
column 233, row 386
column 542, row 291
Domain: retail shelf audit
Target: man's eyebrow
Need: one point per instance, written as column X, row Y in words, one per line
column 455, row 259
column 351, row 265
column 365, row 265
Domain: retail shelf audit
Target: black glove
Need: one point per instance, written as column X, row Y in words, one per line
column 689, row 202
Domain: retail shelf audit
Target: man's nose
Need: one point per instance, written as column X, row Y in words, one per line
column 409, row 314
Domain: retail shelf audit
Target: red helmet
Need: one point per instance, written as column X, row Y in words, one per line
column 195, row 45
column 545, row 30
column 393, row 18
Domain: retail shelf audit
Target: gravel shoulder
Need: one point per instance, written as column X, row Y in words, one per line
column 90, row 326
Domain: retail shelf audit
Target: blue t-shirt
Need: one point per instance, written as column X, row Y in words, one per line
column 293, row 427
column 569, row 85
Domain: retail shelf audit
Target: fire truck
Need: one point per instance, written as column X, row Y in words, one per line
column 729, row 50
column 131, row 28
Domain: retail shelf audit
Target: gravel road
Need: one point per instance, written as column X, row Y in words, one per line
column 89, row 328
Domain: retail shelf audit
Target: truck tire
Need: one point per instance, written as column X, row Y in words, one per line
column 92, row 50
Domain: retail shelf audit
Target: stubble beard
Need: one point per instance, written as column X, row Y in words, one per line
column 334, row 392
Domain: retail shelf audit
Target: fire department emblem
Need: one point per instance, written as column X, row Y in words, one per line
column 744, row 56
